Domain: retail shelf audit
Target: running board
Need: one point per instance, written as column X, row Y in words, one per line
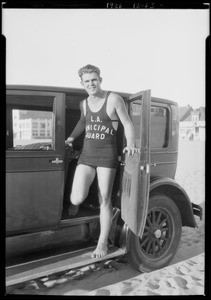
column 38, row 268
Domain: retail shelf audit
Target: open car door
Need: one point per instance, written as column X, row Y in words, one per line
column 136, row 174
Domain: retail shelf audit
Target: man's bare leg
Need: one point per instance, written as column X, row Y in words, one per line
column 105, row 185
column 83, row 178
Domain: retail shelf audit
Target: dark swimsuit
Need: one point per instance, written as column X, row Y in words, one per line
column 99, row 148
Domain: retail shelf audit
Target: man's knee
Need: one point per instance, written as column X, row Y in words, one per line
column 76, row 199
column 104, row 199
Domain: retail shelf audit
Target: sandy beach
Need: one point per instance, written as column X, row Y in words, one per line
column 185, row 274
column 177, row 279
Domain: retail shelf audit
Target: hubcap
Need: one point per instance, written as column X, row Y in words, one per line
column 157, row 233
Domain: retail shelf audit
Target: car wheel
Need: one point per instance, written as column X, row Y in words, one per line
column 161, row 236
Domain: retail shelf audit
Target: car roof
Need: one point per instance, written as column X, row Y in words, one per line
column 58, row 89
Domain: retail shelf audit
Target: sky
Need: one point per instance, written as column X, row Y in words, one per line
column 136, row 49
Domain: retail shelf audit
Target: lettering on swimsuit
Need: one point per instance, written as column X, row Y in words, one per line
column 102, row 130
column 97, row 119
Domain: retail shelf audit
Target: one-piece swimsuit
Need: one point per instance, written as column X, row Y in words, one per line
column 99, row 147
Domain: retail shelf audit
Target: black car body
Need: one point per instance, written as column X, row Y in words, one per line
column 150, row 207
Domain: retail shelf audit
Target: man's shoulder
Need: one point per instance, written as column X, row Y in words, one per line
column 115, row 95
column 115, row 98
column 81, row 103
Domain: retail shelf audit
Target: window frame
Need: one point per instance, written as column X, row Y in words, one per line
column 34, row 128
column 168, row 126
column 58, row 119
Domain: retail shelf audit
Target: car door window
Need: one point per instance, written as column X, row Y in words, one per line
column 159, row 124
column 30, row 123
column 159, row 127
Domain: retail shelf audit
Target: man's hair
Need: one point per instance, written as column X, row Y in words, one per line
column 88, row 69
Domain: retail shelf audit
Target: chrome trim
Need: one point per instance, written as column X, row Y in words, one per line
column 163, row 163
column 56, row 161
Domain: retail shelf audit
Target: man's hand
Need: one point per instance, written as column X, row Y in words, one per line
column 69, row 142
column 131, row 150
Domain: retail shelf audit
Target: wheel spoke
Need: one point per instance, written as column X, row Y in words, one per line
column 143, row 242
column 146, row 228
column 161, row 224
column 158, row 218
column 163, row 238
column 158, row 243
column 149, row 221
column 148, row 246
column 153, row 217
column 153, row 247
column 164, row 229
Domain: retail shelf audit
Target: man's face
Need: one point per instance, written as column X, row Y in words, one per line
column 91, row 82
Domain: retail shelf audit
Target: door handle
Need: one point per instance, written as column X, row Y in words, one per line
column 56, row 161
column 145, row 168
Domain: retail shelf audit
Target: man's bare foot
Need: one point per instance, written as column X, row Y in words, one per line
column 73, row 210
column 100, row 251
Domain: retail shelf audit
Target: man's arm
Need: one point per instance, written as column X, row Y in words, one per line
column 79, row 128
column 127, row 124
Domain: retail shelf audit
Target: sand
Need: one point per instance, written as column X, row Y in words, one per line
column 184, row 278
column 185, row 274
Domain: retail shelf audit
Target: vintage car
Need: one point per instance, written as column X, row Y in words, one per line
column 149, row 206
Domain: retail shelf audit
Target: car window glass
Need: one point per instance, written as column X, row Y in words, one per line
column 159, row 124
column 30, row 123
column 158, row 136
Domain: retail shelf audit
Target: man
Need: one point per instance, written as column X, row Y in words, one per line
column 100, row 114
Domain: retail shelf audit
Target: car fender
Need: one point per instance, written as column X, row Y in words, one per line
column 176, row 192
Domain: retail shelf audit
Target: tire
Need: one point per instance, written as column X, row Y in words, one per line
column 161, row 237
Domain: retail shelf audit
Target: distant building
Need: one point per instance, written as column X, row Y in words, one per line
column 192, row 123
column 30, row 125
